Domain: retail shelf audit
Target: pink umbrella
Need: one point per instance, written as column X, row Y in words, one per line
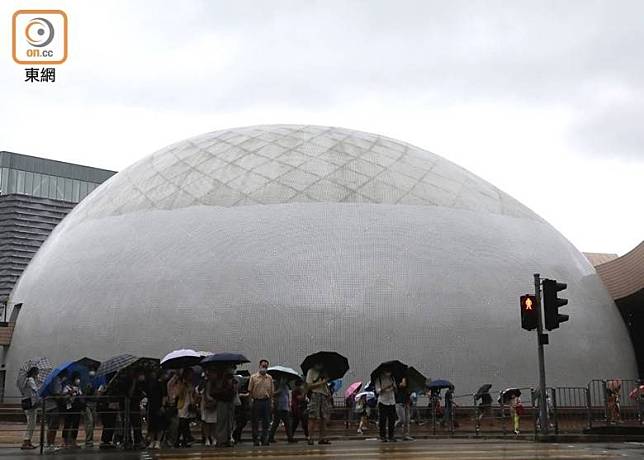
column 636, row 392
column 353, row 389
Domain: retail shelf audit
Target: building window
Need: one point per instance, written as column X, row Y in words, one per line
column 75, row 191
column 29, row 183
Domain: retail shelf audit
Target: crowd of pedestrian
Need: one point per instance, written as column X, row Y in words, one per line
column 223, row 400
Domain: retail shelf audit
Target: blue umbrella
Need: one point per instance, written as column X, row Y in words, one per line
column 79, row 366
column 224, row 358
column 335, row 385
column 439, row 384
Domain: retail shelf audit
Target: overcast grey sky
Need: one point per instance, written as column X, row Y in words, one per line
column 510, row 90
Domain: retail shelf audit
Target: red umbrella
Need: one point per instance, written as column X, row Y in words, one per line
column 353, row 389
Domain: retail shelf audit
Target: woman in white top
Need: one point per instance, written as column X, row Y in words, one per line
column 30, row 403
column 386, row 389
column 208, row 411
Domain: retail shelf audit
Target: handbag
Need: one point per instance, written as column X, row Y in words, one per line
column 520, row 410
column 26, row 404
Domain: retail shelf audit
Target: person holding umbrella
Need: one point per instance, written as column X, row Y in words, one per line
column 55, row 407
column 221, row 386
column 180, row 389
column 90, row 392
column 299, row 408
column 30, row 403
column 282, row 410
column 386, row 389
column 260, row 391
column 319, row 406
column 74, row 406
column 403, row 410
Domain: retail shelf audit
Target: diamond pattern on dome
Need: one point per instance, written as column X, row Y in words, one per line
column 293, row 163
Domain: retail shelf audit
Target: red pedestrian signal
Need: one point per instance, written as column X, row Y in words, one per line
column 529, row 312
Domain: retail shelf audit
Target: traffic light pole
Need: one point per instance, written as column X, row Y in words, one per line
column 541, row 339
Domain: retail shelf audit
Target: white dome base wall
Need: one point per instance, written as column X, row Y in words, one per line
column 435, row 287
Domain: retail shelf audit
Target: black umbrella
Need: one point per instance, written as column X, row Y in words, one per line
column 415, row 380
column 334, row 364
column 397, row 369
column 482, row 390
column 89, row 363
column 508, row 394
column 224, row 359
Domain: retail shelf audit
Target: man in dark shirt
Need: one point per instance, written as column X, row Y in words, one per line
column 133, row 388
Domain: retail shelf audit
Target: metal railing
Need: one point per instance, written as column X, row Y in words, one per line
column 570, row 410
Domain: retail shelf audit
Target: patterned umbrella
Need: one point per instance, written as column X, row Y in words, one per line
column 44, row 368
column 114, row 368
column 115, row 364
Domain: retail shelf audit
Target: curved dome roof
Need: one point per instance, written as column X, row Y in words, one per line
column 426, row 256
column 290, row 164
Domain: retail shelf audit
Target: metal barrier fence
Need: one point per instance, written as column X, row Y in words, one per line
column 64, row 415
column 570, row 410
column 613, row 404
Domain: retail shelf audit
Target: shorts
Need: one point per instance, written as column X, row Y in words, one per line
column 319, row 406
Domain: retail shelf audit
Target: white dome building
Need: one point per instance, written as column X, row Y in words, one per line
column 278, row 241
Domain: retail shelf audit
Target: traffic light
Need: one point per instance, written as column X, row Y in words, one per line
column 529, row 312
column 552, row 303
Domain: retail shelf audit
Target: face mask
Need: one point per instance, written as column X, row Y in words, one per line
column 77, row 382
column 262, row 370
column 92, row 373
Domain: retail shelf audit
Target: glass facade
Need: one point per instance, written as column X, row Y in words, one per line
column 44, row 185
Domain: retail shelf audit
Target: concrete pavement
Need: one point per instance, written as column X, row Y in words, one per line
column 444, row 449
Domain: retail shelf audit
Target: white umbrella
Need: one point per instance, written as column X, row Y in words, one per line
column 181, row 358
column 283, row 371
column 368, row 394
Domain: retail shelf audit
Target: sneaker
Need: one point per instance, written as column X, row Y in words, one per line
column 408, row 438
column 383, row 439
column 324, row 441
column 516, row 432
column 310, row 441
column 207, row 442
column 393, row 440
column 255, row 443
column 359, row 431
column 292, row 441
column 27, row 445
